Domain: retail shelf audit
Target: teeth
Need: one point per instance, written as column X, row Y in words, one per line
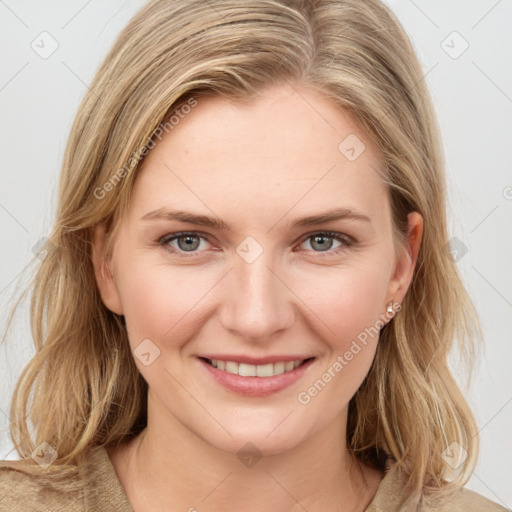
column 263, row 370
column 231, row 367
column 251, row 370
column 279, row 368
column 247, row 370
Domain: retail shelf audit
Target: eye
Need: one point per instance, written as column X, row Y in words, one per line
column 189, row 243
column 324, row 241
column 183, row 242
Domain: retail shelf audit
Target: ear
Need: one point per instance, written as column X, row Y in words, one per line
column 406, row 260
column 103, row 274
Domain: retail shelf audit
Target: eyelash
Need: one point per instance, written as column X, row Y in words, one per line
column 340, row 237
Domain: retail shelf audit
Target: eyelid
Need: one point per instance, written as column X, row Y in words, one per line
column 178, row 234
column 331, row 234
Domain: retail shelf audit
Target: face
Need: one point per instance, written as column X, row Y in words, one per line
column 253, row 236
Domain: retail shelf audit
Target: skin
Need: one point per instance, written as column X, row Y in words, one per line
column 258, row 167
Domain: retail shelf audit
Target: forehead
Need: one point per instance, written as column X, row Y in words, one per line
column 281, row 118
column 288, row 146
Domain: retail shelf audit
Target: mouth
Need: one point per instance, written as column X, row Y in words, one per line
column 259, row 370
column 258, row 380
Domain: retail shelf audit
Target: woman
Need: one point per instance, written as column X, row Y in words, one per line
column 246, row 301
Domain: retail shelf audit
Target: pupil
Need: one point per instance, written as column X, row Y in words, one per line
column 191, row 242
column 323, row 239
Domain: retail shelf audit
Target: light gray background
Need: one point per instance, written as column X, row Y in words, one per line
column 472, row 93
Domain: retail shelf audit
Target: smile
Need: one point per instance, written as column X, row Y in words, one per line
column 251, row 370
column 255, row 379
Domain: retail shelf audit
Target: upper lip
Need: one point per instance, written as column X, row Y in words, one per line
column 254, row 360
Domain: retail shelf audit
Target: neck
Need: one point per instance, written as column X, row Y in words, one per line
column 168, row 464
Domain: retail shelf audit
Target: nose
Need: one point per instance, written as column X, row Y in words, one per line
column 256, row 303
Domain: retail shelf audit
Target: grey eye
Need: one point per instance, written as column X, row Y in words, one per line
column 321, row 242
column 188, row 242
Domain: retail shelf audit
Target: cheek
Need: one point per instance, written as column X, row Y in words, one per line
column 348, row 306
column 346, row 301
column 159, row 301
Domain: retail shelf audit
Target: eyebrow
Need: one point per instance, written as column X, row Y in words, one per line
column 211, row 222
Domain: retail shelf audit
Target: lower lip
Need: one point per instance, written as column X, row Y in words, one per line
column 256, row 386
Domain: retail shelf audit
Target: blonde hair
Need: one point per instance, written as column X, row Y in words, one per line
column 87, row 390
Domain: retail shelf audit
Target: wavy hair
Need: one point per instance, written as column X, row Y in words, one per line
column 86, row 388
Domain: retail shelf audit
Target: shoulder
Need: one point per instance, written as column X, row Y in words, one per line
column 459, row 500
column 27, row 486
column 391, row 497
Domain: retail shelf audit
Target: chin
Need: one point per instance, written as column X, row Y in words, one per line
column 255, row 445
column 253, row 436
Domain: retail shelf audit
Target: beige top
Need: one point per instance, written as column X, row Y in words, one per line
column 26, row 486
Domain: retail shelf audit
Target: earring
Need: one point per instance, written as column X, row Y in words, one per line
column 390, row 307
